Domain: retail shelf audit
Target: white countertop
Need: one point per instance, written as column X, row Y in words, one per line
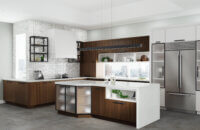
column 66, row 79
column 118, row 85
column 43, row 80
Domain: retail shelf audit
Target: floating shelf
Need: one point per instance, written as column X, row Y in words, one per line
column 38, row 49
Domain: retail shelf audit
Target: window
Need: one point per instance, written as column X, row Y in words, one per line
column 131, row 70
column 20, row 67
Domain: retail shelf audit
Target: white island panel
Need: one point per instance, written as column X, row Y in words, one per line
column 148, row 105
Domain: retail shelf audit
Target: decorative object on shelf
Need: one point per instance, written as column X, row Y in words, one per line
column 112, row 80
column 38, row 49
column 106, row 59
column 42, row 58
column 117, row 93
column 144, row 58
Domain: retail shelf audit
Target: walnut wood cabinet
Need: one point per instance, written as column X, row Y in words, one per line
column 29, row 94
column 98, row 101
column 112, row 109
column 88, row 59
column 125, row 111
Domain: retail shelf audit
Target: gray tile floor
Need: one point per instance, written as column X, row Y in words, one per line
column 46, row 118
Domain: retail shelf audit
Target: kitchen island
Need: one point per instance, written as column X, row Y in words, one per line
column 127, row 102
column 32, row 93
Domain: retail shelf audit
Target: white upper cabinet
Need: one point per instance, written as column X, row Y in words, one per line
column 64, row 43
column 158, row 36
column 181, row 33
column 198, row 32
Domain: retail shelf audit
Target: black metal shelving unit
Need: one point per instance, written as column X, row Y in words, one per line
column 39, row 48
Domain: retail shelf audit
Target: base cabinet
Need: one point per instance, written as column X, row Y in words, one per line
column 98, row 101
column 112, row 109
column 73, row 100
column 124, row 111
column 29, row 94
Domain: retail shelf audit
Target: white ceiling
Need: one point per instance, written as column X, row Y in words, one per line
column 91, row 14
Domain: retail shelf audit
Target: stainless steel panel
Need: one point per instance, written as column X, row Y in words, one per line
column 198, row 65
column 171, row 71
column 180, row 46
column 187, row 69
column 181, row 102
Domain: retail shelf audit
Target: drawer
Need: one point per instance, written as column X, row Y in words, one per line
column 124, row 111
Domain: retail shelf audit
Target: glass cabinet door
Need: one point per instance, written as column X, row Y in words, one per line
column 198, row 65
column 60, row 98
column 83, row 100
column 158, row 63
column 70, row 99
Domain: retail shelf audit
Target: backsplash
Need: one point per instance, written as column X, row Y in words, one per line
column 54, row 66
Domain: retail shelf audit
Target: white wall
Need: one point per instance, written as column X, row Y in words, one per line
column 140, row 29
column 6, row 30
column 54, row 66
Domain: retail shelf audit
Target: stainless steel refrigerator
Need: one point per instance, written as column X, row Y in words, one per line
column 180, row 76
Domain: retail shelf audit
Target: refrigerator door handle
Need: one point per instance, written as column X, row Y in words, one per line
column 179, row 94
column 178, row 70
column 180, row 75
column 197, row 71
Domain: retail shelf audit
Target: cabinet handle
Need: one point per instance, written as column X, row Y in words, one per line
column 197, row 71
column 118, row 103
column 180, row 40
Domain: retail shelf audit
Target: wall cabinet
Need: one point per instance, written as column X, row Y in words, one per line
column 63, row 43
column 181, row 33
column 158, row 36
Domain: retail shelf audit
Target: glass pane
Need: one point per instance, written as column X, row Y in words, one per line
column 70, row 99
column 132, row 70
column 60, row 98
column 20, row 67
